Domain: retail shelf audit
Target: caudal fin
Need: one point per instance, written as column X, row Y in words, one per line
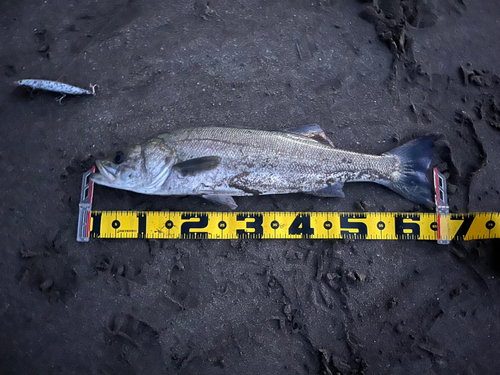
column 415, row 157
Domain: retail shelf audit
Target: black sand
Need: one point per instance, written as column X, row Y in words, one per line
column 373, row 75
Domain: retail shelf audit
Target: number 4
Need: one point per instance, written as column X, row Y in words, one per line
column 301, row 225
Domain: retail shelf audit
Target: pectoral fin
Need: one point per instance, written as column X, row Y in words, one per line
column 192, row 167
column 313, row 131
column 225, row 200
column 334, row 190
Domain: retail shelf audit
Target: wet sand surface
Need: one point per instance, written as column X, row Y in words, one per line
column 372, row 74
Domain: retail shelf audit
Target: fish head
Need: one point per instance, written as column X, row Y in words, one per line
column 142, row 168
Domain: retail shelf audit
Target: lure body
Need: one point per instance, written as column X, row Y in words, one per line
column 54, row 86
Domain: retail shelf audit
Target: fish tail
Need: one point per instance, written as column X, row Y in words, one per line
column 415, row 157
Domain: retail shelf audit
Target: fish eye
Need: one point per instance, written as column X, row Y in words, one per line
column 119, row 158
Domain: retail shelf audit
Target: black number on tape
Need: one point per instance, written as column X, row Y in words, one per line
column 346, row 223
column 96, row 225
column 407, row 230
column 256, row 225
column 464, row 227
column 188, row 225
column 141, row 233
column 301, row 225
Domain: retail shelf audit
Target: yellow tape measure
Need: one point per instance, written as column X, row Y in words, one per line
column 292, row 225
column 441, row 226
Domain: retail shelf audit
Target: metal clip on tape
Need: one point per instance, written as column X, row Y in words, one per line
column 85, row 207
column 442, row 208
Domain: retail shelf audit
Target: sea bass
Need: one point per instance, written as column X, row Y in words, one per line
column 219, row 163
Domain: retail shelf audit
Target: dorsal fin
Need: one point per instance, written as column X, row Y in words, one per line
column 313, row 131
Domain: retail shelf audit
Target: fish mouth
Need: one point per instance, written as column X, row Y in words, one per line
column 106, row 173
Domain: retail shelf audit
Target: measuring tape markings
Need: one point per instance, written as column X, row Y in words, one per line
column 440, row 226
column 292, row 225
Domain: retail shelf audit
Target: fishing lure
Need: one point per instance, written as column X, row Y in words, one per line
column 54, row 86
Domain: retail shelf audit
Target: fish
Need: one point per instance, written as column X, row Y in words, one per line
column 219, row 163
